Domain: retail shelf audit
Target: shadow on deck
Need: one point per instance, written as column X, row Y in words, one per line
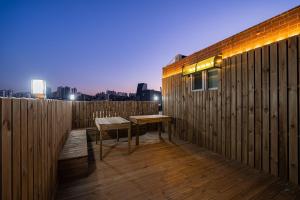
column 162, row 170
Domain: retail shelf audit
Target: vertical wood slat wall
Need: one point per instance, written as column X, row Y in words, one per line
column 253, row 117
column 32, row 133
column 84, row 112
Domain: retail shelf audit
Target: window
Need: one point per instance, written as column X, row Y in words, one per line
column 212, row 79
column 197, row 81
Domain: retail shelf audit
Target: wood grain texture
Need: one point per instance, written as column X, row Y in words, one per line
column 86, row 112
column 282, row 110
column 251, row 107
column 266, row 108
column 293, row 130
column 6, row 140
column 239, row 127
column 253, row 117
column 28, row 163
column 179, row 170
column 245, row 115
column 258, row 107
column 233, row 108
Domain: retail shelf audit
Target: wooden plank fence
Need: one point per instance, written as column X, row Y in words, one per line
column 32, row 133
column 255, row 110
column 84, row 112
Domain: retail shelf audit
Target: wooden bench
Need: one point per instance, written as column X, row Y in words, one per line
column 73, row 159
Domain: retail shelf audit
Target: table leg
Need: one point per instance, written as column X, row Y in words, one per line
column 137, row 142
column 117, row 135
column 97, row 136
column 100, row 145
column 129, row 139
column 169, row 131
column 159, row 130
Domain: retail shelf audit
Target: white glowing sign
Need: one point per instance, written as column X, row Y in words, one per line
column 38, row 87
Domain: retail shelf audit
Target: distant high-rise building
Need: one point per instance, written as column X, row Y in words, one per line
column 2, row 93
column 143, row 94
column 122, row 94
column 60, row 92
column 132, row 94
column 6, row 93
column 141, row 87
column 110, row 93
column 67, row 91
column 73, row 91
column 100, row 96
column 23, row 95
column 48, row 92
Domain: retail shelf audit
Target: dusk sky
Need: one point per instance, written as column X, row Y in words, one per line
column 114, row 44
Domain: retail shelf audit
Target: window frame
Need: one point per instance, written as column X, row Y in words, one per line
column 218, row 71
column 203, row 82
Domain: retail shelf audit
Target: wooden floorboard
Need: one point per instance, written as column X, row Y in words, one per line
column 179, row 170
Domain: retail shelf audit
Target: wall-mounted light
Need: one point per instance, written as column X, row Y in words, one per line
column 208, row 63
column 155, row 98
column 189, row 69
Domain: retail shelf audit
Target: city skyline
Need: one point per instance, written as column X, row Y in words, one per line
column 99, row 46
column 74, row 87
column 71, row 93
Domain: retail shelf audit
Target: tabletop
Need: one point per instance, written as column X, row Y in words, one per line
column 109, row 123
column 138, row 119
column 111, row 120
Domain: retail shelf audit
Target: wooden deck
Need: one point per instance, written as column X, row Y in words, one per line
column 178, row 170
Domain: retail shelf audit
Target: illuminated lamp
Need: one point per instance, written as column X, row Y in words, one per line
column 208, row 63
column 189, row 69
column 155, row 98
column 38, row 88
column 72, row 97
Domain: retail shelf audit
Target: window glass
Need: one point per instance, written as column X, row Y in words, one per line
column 197, row 81
column 212, row 79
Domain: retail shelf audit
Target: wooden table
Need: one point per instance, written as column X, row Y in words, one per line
column 112, row 123
column 147, row 119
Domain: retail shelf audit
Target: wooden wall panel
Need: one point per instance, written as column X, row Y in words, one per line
column 251, row 107
column 274, row 108
column 24, row 149
column 219, row 117
column 233, row 107
column 258, row 107
column 16, row 149
column 293, row 109
column 223, row 116
column 28, row 163
column 227, row 107
column 245, row 115
column 88, row 110
column 239, row 127
column 6, row 144
column 266, row 108
column 282, row 110
column 253, row 117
